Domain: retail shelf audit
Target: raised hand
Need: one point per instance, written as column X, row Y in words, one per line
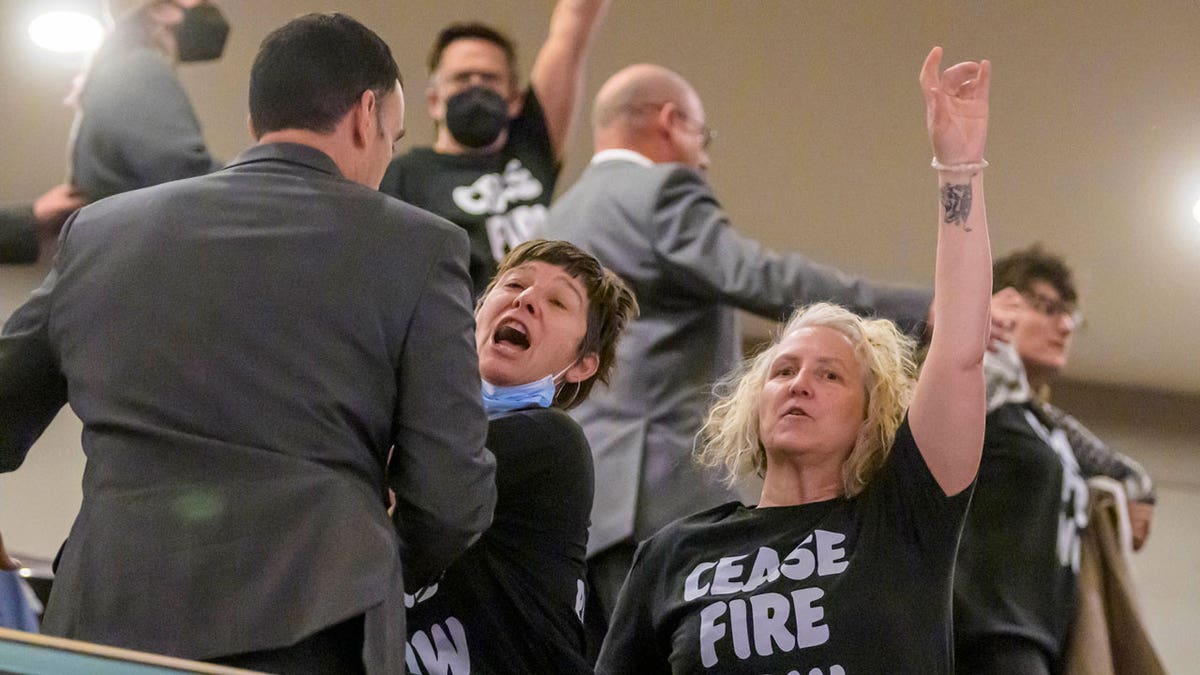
column 956, row 108
column 1005, row 306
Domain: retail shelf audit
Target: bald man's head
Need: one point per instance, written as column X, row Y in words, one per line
column 653, row 110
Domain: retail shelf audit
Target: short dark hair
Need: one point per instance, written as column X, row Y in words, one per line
column 611, row 305
column 1022, row 267
column 476, row 31
column 311, row 71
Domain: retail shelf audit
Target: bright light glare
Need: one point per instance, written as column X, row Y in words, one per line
column 1196, row 211
column 66, row 32
column 25, row 572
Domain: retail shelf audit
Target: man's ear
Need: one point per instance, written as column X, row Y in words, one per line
column 432, row 104
column 665, row 119
column 365, row 118
column 584, row 368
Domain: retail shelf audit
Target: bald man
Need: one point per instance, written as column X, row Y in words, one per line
column 644, row 209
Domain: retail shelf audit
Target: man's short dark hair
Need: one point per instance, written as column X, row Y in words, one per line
column 611, row 306
column 474, row 30
column 311, row 71
column 1022, row 267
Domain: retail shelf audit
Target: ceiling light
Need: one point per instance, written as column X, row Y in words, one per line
column 66, row 32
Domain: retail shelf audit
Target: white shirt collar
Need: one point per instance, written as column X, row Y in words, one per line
column 623, row 155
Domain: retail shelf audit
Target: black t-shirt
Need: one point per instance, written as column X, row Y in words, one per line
column 1019, row 555
column 840, row 587
column 500, row 199
column 513, row 603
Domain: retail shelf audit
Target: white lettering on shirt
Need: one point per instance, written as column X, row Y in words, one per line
column 441, row 651
column 492, row 194
column 766, row 623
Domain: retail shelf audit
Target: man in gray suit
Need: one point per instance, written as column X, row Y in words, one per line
column 243, row 349
column 643, row 208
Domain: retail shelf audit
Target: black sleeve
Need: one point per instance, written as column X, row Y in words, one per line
column 632, row 644
column 393, row 179
column 530, row 125
column 18, row 235
column 909, row 495
column 32, row 386
column 544, row 478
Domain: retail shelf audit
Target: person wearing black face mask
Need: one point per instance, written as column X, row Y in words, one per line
column 135, row 126
column 497, row 154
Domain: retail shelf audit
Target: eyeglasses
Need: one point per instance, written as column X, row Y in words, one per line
column 707, row 134
column 1054, row 308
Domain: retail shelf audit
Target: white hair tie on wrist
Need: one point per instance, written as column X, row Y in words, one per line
column 970, row 167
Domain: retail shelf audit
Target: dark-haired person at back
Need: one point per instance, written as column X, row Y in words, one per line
column 243, row 349
column 496, row 158
column 1015, row 582
column 546, row 331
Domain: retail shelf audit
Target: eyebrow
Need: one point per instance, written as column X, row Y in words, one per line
column 565, row 280
column 820, row 360
column 560, row 278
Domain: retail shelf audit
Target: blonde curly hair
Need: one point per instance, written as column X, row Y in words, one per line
column 730, row 437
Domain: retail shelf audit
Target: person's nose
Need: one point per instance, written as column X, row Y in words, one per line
column 527, row 300
column 1065, row 323
column 801, row 384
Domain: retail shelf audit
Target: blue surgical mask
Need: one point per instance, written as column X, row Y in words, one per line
column 498, row 400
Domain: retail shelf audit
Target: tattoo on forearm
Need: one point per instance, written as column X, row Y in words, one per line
column 956, row 202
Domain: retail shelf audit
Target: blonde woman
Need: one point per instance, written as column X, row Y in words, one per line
column 846, row 564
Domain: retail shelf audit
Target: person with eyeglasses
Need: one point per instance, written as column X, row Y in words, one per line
column 645, row 210
column 1016, row 579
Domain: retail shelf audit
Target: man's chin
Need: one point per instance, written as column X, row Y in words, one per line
column 1042, row 371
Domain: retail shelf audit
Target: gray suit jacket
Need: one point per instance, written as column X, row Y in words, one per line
column 663, row 231
column 135, row 128
column 18, row 235
column 243, row 349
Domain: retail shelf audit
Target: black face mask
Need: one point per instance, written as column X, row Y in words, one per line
column 201, row 35
column 475, row 117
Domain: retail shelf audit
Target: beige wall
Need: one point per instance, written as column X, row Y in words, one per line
column 1094, row 137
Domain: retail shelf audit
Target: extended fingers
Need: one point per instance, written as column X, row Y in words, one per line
column 984, row 82
column 929, row 71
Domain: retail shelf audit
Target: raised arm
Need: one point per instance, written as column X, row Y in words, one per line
column 703, row 253
column 947, row 413
column 558, row 69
